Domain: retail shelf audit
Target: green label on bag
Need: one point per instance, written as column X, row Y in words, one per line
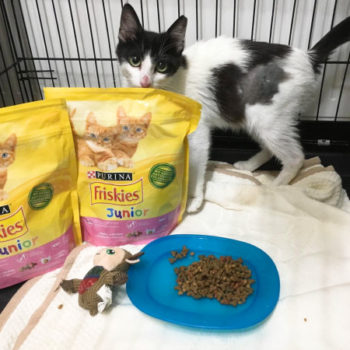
column 40, row 196
column 161, row 175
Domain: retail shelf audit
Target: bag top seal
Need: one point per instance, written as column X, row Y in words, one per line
column 32, row 105
column 122, row 93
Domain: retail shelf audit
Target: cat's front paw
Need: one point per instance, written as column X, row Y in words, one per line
column 86, row 162
column 126, row 163
column 108, row 165
column 3, row 195
column 194, row 204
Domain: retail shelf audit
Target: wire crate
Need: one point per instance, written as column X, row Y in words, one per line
column 72, row 43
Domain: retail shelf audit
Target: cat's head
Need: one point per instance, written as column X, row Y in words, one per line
column 132, row 130
column 7, row 151
column 99, row 134
column 149, row 59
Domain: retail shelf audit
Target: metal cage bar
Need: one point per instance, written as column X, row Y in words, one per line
column 13, row 53
column 73, row 63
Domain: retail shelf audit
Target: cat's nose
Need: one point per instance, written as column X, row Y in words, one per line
column 145, row 81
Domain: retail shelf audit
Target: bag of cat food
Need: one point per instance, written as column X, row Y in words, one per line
column 133, row 160
column 39, row 219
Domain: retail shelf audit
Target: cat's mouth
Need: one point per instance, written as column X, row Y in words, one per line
column 130, row 139
column 145, row 85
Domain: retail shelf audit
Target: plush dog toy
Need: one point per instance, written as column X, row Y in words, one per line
column 95, row 289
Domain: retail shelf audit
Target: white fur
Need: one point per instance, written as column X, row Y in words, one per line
column 146, row 70
column 271, row 125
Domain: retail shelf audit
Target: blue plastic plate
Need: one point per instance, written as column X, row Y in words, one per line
column 151, row 283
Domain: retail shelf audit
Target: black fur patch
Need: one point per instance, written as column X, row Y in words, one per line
column 227, row 89
column 261, row 83
column 263, row 53
column 234, row 88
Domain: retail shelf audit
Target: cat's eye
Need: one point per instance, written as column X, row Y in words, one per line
column 162, row 67
column 106, row 139
column 4, row 155
column 93, row 135
column 135, row 61
column 125, row 128
column 110, row 251
column 138, row 130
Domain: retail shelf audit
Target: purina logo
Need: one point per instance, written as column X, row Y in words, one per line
column 109, row 176
column 4, row 209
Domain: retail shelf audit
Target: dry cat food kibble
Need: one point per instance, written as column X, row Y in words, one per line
column 179, row 255
column 225, row 279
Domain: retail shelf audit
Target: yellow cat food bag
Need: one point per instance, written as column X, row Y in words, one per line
column 133, row 160
column 39, row 219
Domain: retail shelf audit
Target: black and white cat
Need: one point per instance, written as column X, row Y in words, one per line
column 255, row 86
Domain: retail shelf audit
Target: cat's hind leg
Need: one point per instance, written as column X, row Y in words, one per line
column 285, row 146
column 254, row 162
column 290, row 168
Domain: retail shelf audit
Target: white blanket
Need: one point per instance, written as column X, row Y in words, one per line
column 308, row 239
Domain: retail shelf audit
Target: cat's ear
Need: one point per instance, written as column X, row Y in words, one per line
column 130, row 24
column 121, row 114
column 72, row 113
column 11, row 141
column 146, row 118
column 177, row 32
column 90, row 119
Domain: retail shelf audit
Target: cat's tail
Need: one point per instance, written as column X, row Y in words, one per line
column 337, row 36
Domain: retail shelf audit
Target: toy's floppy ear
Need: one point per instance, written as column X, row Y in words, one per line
column 132, row 261
column 134, row 258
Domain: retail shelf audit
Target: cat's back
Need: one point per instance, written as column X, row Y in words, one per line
column 226, row 75
column 210, row 53
column 202, row 58
column 246, row 54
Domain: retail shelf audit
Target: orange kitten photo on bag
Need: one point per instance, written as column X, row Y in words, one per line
column 94, row 145
column 7, row 157
column 130, row 132
column 113, row 146
column 132, row 154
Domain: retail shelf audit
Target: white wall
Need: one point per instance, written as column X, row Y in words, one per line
column 105, row 15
